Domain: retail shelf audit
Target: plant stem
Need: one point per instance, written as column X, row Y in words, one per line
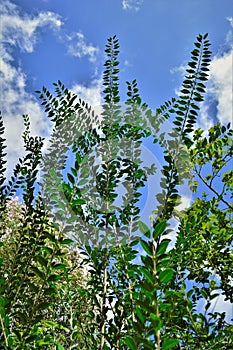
column 158, row 340
column 3, row 330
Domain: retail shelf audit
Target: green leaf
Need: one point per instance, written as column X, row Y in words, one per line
column 213, row 296
column 53, row 278
column 71, row 178
column 82, row 182
column 78, row 201
column 38, row 272
column 170, row 344
column 140, row 315
column 192, row 64
column 66, row 241
column 59, row 266
column 204, row 294
column 159, row 229
column 47, row 250
column 42, row 261
column 144, row 229
column 157, row 322
column 42, row 306
column 189, row 293
column 166, row 275
column 23, row 318
column 49, row 291
column 60, row 347
column 162, row 247
column 130, row 342
column 33, row 287
column 147, row 246
column 74, row 171
column 149, row 276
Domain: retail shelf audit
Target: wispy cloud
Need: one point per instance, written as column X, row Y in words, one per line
column 22, row 31
column 78, row 47
column 19, row 31
column 230, row 19
column 134, row 5
column 220, row 84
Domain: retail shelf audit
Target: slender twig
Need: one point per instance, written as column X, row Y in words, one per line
column 214, row 191
column 3, row 330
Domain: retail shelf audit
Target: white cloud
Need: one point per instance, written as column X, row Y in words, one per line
column 230, row 19
column 221, row 85
column 205, row 121
column 217, row 304
column 186, row 200
column 78, row 47
column 90, row 94
column 21, row 32
column 220, row 305
column 132, row 4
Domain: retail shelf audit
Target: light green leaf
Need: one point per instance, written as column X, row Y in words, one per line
column 157, row 323
column 60, row 347
column 170, row 344
column 144, row 229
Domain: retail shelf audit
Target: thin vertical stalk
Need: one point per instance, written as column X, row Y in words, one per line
column 3, row 330
column 104, row 300
column 158, row 338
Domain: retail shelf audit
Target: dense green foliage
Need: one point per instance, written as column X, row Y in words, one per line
column 79, row 269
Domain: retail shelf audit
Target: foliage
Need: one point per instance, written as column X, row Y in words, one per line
column 78, row 267
column 34, row 263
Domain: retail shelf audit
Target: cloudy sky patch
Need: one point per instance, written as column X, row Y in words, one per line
column 132, row 4
column 78, row 47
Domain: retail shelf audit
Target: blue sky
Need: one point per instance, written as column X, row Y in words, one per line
column 47, row 40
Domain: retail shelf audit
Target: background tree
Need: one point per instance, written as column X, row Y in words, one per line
column 38, row 271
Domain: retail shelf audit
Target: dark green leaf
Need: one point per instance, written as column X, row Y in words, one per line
column 147, row 246
column 161, row 249
column 53, row 278
column 166, row 275
column 66, row 241
column 38, row 272
column 71, row 178
column 159, row 229
column 130, row 342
